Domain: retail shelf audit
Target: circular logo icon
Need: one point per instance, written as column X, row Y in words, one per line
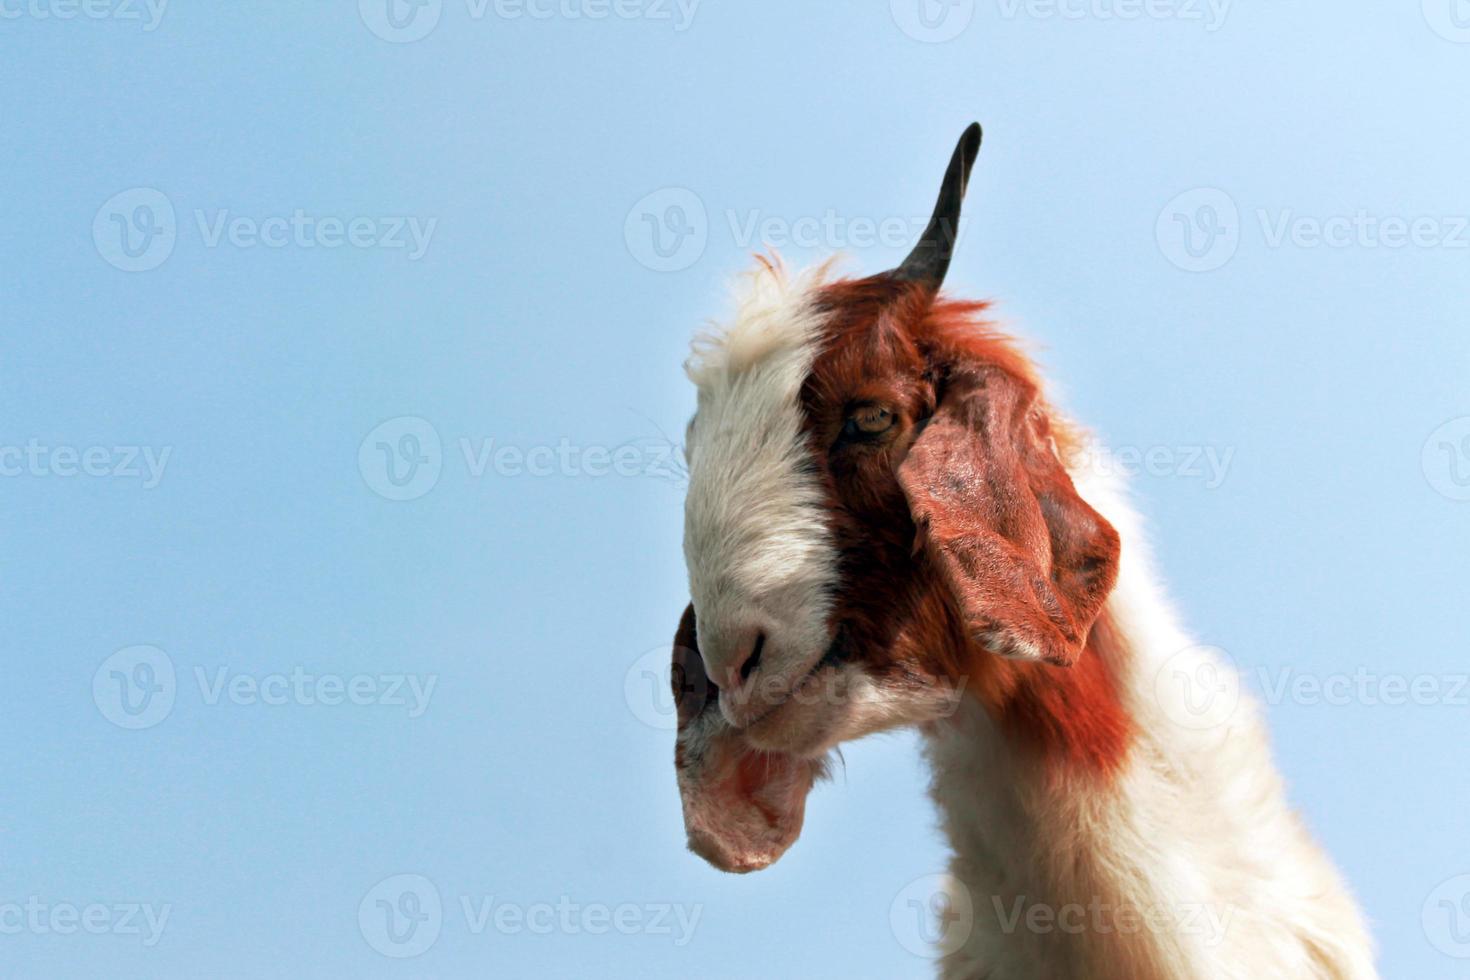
column 135, row 230
column 932, row 21
column 401, row 21
column 401, row 459
column 1446, row 459
column 401, row 916
column 1446, row 917
column 135, row 687
column 1199, row 231
column 932, row 916
column 667, row 231
column 1450, row 19
column 1198, row 687
column 659, row 683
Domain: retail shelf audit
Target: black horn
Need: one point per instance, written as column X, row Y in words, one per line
column 929, row 260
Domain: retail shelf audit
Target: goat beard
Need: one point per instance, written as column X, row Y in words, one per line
column 743, row 806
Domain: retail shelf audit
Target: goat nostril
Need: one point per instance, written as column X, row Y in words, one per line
column 754, row 660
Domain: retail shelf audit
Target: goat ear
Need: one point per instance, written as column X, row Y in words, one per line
column 929, row 260
column 1028, row 561
column 742, row 807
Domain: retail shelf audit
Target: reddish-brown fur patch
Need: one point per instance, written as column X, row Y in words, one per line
column 1046, row 562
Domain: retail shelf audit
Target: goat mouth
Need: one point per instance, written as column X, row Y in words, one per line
column 838, row 653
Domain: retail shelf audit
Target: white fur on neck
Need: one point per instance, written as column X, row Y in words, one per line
column 1194, row 829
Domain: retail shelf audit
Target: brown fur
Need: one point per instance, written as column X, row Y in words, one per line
column 987, row 546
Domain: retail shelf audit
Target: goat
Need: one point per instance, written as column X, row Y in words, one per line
column 887, row 524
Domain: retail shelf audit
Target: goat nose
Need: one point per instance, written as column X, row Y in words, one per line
column 747, row 660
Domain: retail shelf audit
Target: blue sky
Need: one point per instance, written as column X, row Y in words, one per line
column 339, row 356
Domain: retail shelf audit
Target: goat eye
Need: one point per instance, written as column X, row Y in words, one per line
column 871, row 420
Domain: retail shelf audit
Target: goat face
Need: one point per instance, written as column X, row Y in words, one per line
column 875, row 500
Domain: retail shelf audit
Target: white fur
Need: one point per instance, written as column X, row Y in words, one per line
column 760, row 556
column 1195, row 831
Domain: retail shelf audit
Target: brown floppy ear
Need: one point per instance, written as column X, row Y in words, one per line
column 1028, row 561
column 742, row 807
